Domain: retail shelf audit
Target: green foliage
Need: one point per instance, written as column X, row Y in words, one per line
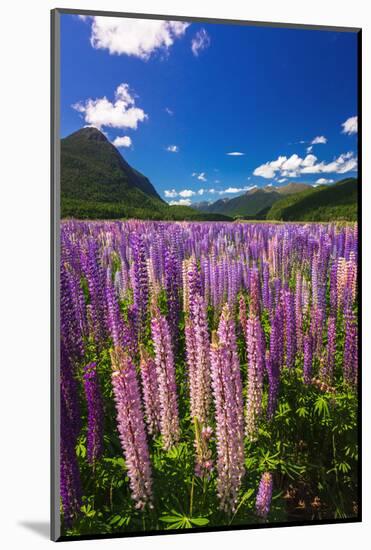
column 323, row 203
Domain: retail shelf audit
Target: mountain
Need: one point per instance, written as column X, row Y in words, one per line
column 323, row 203
column 255, row 203
column 97, row 182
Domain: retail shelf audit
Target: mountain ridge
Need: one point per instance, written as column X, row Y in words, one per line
column 98, row 183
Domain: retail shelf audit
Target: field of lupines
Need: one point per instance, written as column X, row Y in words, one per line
column 208, row 374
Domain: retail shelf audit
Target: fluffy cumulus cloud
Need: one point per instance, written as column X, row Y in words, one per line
column 172, row 149
column 235, row 154
column 181, row 202
column 169, row 111
column 318, row 140
column 350, row 126
column 119, row 113
column 122, row 141
column 200, row 176
column 295, row 165
column 171, row 193
column 186, row 193
column 135, row 37
column 324, row 180
column 200, row 42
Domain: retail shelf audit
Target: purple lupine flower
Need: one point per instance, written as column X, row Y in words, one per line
column 70, row 483
column 266, row 289
column 95, row 276
column 255, row 346
column 327, row 371
column 191, row 283
column 229, row 436
column 274, row 381
column 71, row 326
column 299, row 313
column 317, row 326
column 227, row 337
column 308, row 358
column 119, row 331
column 255, row 293
column 172, row 272
column 69, row 393
column 350, row 360
column 289, row 316
column 333, row 289
column 243, row 315
column 264, row 496
column 131, row 428
column 276, row 338
column 140, row 282
column 95, row 413
column 165, row 369
column 201, row 384
column 191, row 354
column 150, row 393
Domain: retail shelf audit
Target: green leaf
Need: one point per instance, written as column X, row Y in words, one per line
column 199, row 521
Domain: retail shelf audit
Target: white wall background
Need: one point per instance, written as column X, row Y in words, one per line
column 24, row 271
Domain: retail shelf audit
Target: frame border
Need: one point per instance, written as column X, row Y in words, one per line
column 55, row 523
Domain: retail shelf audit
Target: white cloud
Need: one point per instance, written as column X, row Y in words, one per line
column 122, row 141
column 170, row 193
column 201, row 191
column 265, row 171
column 346, row 162
column 186, row 193
column 135, row 37
column 234, row 190
column 291, row 164
column 350, row 126
column 201, row 176
column 200, row 42
column 295, row 165
column 309, row 160
column 282, row 180
column 181, row 202
column 169, row 111
column 121, row 113
column 318, row 139
column 172, row 149
column 235, row 154
column 309, row 149
column 324, row 180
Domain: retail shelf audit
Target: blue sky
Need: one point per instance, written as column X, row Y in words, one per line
column 178, row 98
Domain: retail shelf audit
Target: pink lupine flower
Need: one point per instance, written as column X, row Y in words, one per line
column 130, row 424
column 165, row 369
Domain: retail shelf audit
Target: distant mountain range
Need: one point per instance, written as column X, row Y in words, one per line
column 96, row 182
column 291, row 202
column 255, row 203
column 323, row 203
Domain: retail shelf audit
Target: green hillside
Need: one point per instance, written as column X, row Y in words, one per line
column 97, row 183
column 324, row 203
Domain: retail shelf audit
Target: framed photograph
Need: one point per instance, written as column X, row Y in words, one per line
column 206, row 199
